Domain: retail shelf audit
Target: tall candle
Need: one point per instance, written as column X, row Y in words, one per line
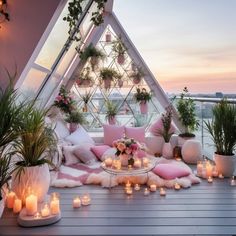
column 10, row 199
column 55, row 204
column 31, row 204
column 17, row 205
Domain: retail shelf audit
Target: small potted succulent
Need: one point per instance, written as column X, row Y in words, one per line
column 94, row 54
column 108, row 75
column 222, row 129
column 74, row 119
column 119, row 49
column 137, row 75
column 111, row 112
column 143, row 97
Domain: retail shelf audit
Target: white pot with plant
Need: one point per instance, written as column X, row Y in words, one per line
column 111, row 112
column 74, row 119
column 222, row 129
column 33, row 149
column 187, row 116
column 143, row 97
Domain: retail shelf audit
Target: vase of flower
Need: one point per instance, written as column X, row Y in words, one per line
column 143, row 107
column 112, row 120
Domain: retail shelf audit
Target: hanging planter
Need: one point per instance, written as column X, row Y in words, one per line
column 111, row 112
column 137, row 75
column 112, row 120
column 136, row 79
column 85, row 80
column 108, row 75
column 133, row 66
column 143, row 97
column 119, row 49
column 121, row 59
column 74, row 119
column 108, row 37
column 86, row 97
column 120, row 83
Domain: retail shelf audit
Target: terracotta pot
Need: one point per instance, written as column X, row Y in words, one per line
column 225, row 164
column 73, row 127
column 33, row 178
column 167, row 151
column 107, row 83
column 112, row 120
column 121, row 59
column 108, row 37
column 143, row 107
column 120, row 83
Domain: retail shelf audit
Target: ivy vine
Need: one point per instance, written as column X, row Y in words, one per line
column 75, row 9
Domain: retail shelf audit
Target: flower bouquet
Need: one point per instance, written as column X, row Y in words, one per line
column 125, row 149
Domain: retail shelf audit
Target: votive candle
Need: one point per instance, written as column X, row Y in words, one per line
column 86, row 200
column 10, row 199
column 210, row 179
column 108, row 162
column 137, row 187
column 76, row 202
column 146, row 191
column 153, row 188
column 145, row 162
column 129, row 191
column 162, row 192
column 17, row 206
column 221, row 176
column 177, row 186
column 137, row 163
column 45, row 211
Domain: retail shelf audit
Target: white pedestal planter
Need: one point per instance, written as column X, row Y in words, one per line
column 35, row 179
column 225, row 164
column 192, row 151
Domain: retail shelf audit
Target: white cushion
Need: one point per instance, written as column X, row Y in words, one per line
column 61, row 130
column 70, row 157
column 80, row 136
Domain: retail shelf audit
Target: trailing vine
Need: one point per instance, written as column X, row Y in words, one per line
column 75, row 9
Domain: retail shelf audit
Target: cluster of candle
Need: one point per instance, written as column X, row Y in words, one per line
column 13, row 202
column 206, row 169
column 85, row 200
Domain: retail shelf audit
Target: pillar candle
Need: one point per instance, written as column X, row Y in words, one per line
column 76, row 202
column 10, row 199
column 45, row 211
column 153, row 188
column 17, row 205
column 137, row 163
column 31, row 204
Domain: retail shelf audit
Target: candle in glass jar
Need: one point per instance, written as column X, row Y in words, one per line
column 86, row 200
column 55, row 204
column 129, row 191
column 146, row 191
column 31, row 204
column 37, row 215
column 137, row 187
column 209, row 169
column 76, row 202
column 162, row 192
column 177, row 186
column 137, row 163
column 10, row 199
column 45, row 211
column 153, row 188
column 17, row 206
column 108, row 161
column 145, row 162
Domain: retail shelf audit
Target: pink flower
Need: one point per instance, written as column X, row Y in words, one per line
column 134, row 146
column 58, row 98
column 121, row 147
column 114, row 144
column 128, row 151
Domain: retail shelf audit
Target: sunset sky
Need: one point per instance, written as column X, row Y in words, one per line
column 184, row 42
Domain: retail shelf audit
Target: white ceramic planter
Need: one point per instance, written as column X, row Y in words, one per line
column 167, row 151
column 35, row 179
column 225, row 164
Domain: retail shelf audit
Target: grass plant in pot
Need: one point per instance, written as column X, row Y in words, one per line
column 119, row 49
column 108, row 75
column 84, row 78
column 111, row 112
column 143, row 97
column 137, row 75
column 86, row 97
column 74, row 119
column 187, row 116
column 33, row 148
column 222, row 129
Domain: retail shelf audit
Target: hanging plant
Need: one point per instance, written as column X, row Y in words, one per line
column 85, row 79
column 137, row 75
column 75, row 9
column 119, row 49
column 108, row 37
column 108, row 75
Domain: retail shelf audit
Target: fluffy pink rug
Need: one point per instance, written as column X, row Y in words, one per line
column 79, row 174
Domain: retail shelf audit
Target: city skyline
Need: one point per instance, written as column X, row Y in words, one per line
column 185, row 42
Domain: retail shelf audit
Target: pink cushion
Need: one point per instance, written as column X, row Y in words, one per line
column 137, row 133
column 84, row 154
column 99, row 150
column 171, row 171
column 157, row 127
column 112, row 133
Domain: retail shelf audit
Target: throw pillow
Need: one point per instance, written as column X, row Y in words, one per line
column 112, row 133
column 171, row 171
column 61, row 130
column 80, row 136
column 100, row 150
column 84, row 154
column 137, row 133
column 69, row 156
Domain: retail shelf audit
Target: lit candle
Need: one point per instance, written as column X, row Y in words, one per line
column 31, row 204
column 177, row 186
column 146, row 191
column 233, row 182
column 108, row 162
column 209, row 169
column 153, row 188
column 162, row 192
column 221, row 176
column 210, row 179
column 37, row 215
column 178, row 159
column 199, row 168
column 10, row 199
column 145, row 162
column 45, row 211
column 128, row 185
column 137, row 163
column 86, row 200
column 17, row 206
column 55, row 204
column 76, row 202
column 118, row 165
column 129, row 191
column 137, row 187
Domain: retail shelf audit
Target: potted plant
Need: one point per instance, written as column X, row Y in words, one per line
column 33, row 148
column 137, row 75
column 94, row 54
column 86, row 97
column 108, row 75
column 111, row 112
column 187, row 116
column 143, row 97
column 119, row 49
column 120, row 81
column 74, row 118
column 84, row 79
column 222, row 129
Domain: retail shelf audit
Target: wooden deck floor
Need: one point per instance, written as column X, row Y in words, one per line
column 204, row 209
